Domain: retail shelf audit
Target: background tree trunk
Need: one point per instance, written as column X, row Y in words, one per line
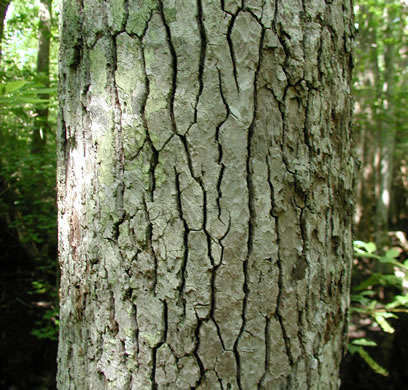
column 205, row 194
column 42, row 127
column 367, row 93
column 3, row 11
column 387, row 135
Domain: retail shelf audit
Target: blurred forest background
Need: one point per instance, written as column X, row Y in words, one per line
column 378, row 335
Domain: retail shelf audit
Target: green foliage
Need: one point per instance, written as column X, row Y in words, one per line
column 367, row 358
column 375, row 299
column 47, row 327
column 27, row 177
column 381, row 25
column 22, row 92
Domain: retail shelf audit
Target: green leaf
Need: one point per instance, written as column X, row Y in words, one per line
column 364, row 247
column 14, row 85
column 392, row 253
column 370, row 247
column 364, row 342
column 380, row 319
column 372, row 363
column 399, row 300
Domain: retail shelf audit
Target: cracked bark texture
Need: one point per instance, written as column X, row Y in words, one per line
column 205, row 193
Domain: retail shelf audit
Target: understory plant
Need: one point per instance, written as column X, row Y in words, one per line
column 378, row 298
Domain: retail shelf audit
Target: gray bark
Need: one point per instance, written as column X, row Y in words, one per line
column 205, row 194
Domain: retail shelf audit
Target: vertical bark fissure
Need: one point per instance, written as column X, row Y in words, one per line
column 173, row 64
column 149, row 242
column 280, row 295
column 251, row 208
column 155, row 349
column 275, row 18
column 137, row 340
column 203, row 54
column 210, row 255
column 118, row 120
column 220, row 150
column 126, row 15
column 196, row 355
column 185, row 241
column 307, row 266
column 154, row 160
column 267, row 353
column 231, row 48
column 153, row 373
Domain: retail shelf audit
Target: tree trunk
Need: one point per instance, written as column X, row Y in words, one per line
column 205, row 194
column 367, row 93
column 42, row 126
column 3, row 12
column 388, row 131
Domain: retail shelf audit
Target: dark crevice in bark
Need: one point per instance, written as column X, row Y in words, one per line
column 220, row 381
column 120, row 157
column 280, row 299
column 118, row 108
column 154, row 160
column 213, row 289
column 267, row 352
column 173, row 63
column 219, row 182
column 275, row 18
column 126, row 15
column 203, row 54
column 231, row 49
column 306, row 128
column 257, row 18
column 165, row 321
column 272, row 211
column 211, row 257
column 305, row 275
column 114, row 326
column 212, row 314
column 116, row 224
column 220, row 150
column 146, row 27
column 149, row 245
column 198, row 179
column 154, row 364
column 196, row 355
column 320, row 60
column 285, row 153
column 185, row 239
column 159, row 344
column 137, row 327
column 251, row 208
column 77, row 53
column 219, row 334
